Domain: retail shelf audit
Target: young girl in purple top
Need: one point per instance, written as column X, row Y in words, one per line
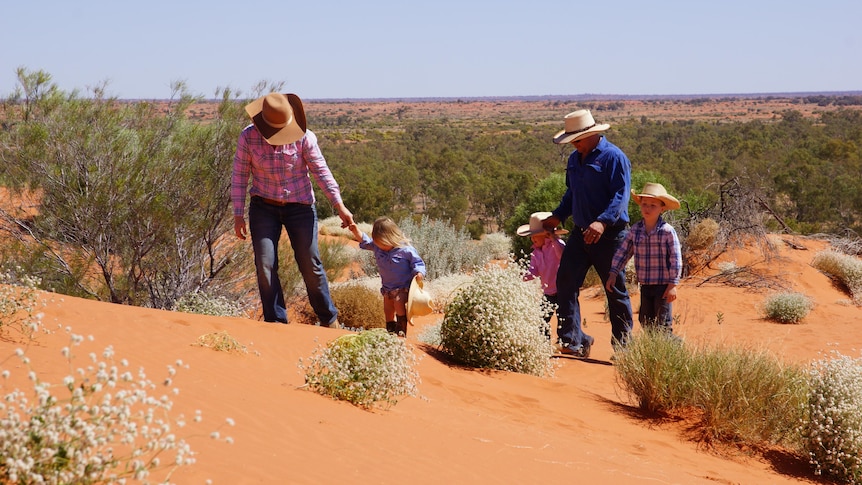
column 658, row 257
column 545, row 258
column 397, row 262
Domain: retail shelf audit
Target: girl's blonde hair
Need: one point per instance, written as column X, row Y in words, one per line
column 386, row 232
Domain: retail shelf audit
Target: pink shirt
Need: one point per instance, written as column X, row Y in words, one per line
column 279, row 172
column 544, row 263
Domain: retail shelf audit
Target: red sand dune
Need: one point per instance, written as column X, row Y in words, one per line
column 466, row 425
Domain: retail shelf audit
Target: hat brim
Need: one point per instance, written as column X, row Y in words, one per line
column 670, row 202
column 525, row 231
column 413, row 306
column 290, row 133
column 562, row 137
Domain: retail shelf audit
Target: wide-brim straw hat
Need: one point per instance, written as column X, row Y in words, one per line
column 578, row 124
column 535, row 225
column 418, row 300
column 656, row 191
column 280, row 118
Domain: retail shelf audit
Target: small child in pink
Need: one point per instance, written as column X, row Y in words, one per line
column 545, row 258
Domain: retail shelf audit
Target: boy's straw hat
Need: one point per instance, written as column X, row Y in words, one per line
column 280, row 118
column 656, row 191
column 418, row 300
column 535, row 225
column 578, row 124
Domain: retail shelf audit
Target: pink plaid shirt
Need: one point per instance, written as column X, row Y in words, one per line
column 279, row 172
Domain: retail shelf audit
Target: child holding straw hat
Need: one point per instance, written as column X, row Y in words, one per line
column 545, row 258
column 398, row 264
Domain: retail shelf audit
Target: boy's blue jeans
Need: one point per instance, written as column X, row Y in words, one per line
column 655, row 311
column 300, row 220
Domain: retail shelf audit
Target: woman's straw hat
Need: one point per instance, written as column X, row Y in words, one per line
column 280, row 118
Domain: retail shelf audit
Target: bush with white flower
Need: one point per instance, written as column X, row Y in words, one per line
column 833, row 435
column 496, row 322
column 104, row 424
column 363, row 368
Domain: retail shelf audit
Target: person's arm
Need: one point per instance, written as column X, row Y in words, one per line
column 418, row 266
column 619, row 180
column 323, row 177
column 621, row 257
column 357, row 234
column 239, row 184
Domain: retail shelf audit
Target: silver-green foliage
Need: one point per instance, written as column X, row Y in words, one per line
column 787, row 307
column 495, row 322
column 833, row 435
column 445, row 249
column 363, row 368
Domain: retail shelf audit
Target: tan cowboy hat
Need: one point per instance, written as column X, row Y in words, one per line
column 279, row 118
column 535, row 225
column 579, row 124
column 418, row 300
column 656, row 191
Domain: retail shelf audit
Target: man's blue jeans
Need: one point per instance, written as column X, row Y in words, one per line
column 577, row 259
column 265, row 223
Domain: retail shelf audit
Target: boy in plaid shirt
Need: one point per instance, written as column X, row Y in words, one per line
column 658, row 257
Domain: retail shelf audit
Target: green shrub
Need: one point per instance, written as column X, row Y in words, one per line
column 787, row 307
column 363, row 368
column 496, row 322
column 206, row 304
column 833, row 435
column 847, row 270
column 545, row 196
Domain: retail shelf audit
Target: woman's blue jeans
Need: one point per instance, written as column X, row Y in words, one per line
column 300, row 220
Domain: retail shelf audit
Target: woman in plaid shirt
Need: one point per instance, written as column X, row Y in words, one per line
column 281, row 156
column 658, row 257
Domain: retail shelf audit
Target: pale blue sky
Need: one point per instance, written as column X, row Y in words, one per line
column 439, row 48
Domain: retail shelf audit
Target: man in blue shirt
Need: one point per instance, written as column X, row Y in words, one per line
column 598, row 185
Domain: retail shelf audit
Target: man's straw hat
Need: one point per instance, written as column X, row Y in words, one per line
column 579, row 124
column 280, row 118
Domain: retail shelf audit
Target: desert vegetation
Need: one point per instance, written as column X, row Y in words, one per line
column 128, row 202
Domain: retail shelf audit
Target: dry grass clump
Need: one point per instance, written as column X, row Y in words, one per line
column 702, row 235
column 787, row 307
column 496, row 322
column 845, row 269
column 222, row 342
column 740, row 395
column 359, row 307
column 445, row 249
column 833, row 434
column 363, row 368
